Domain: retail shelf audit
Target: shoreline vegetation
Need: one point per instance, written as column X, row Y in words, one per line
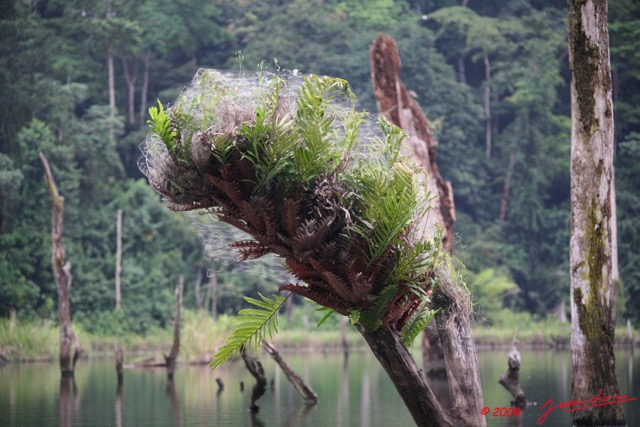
column 201, row 336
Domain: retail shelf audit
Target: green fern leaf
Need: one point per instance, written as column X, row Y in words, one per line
column 416, row 324
column 371, row 319
column 252, row 325
column 160, row 124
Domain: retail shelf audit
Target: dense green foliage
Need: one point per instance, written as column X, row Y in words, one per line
column 54, row 88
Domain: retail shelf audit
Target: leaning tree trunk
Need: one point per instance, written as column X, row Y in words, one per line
column 453, row 319
column 62, row 275
column 592, row 286
column 405, row 375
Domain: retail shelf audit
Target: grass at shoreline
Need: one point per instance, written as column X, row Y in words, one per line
column 201, row 336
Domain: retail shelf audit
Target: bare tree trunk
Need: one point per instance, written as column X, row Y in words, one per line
column 506, row 188
column 400, row 108
column 118, row 255
column 307, row 393
column 592, row 282
column 130, row 77
column 175, row 348
column 145, row 88
column 62, row 275
column 111, row 78
column 407, row 378
column 462, row 74
column 454, row 328
column 197, row 292
column 453, row 319
column 487, row 105
column 213, row 292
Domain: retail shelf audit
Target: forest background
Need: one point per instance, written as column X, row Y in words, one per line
column 492, row 77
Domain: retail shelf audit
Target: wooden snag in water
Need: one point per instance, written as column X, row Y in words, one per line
column 453, row 318
column 307, row 393
column 119, row 395
column 62, row 274
column 511, row 379
column 255, row 368
column 119, row 361
column 175, row 348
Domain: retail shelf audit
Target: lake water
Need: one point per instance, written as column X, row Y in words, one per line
column 352, row 393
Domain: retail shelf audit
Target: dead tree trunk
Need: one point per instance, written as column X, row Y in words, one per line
column 400, row 108
column 592, row 282
column 511, row 379
column 307, row 393
column 175, row 348
column 62, row 275
column 118, row 255
column 453, row 319
column 255, row 368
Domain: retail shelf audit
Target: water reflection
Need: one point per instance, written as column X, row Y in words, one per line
column 68, row 399
column 352, row 392
column 118, row 403
column 170, row 390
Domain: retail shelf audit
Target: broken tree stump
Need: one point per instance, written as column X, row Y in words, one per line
column 510, row 380
column 255, row 368
column 62, row 275
column 307, row 393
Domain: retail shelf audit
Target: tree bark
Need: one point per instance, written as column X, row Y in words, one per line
column 118, row 255
column 453, row 319
column 62, row 276
column 307, row 393
column 592, row 285
column 130, row 77
column 406, row 377
column 487, row 105
column 111, row 77
column 175, row 348
column 144, row 89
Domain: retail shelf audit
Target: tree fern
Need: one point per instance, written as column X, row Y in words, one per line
column 251, row 326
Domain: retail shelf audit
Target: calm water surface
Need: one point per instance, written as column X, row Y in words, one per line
column 352, row 393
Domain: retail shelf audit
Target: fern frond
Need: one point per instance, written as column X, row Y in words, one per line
column 160, row 124
column 252, row 325
column 371, row 318
column 416, row 324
